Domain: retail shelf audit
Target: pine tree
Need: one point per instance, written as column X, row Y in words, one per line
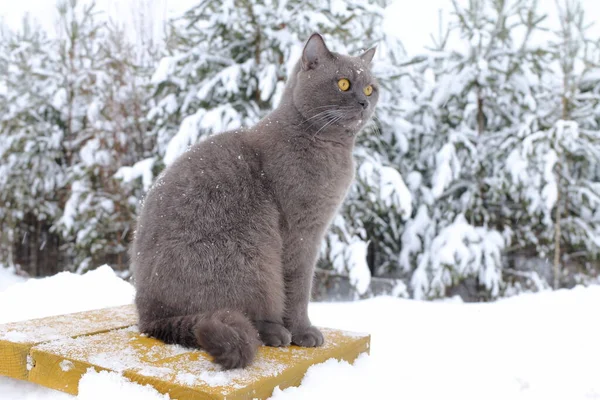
column 228, row 63
column 495, row 179
column 32, row 168
column 105, row 129
column 460, row 105
column 76, row 108
column 561, row 152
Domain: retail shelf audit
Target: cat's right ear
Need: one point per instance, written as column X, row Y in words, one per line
column 315, row 51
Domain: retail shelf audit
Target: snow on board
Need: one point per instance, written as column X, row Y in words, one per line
column 63, row 326
column 17, row 338
column 174, row 370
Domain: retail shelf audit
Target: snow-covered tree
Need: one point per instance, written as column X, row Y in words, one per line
column 229, row 60
column 486, row 137
column 556, row 161
column 448, row 111
column 32, row 163
column 103, row 94
column 451, row 103
column 75, row 114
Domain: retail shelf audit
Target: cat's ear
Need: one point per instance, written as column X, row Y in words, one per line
column 315, row 51
column 367, row 56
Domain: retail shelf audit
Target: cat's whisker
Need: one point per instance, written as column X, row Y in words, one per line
column 333, row 106
column 330, row 108
column 336, row 119
column 322, row 114
column 318, row 121
column 325, row 117
column 376, row 129
column 376, row 124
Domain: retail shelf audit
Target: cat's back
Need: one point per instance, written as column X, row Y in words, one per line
column 220, row 166
column 210, row 190
column 224, row 159
column 208, row 226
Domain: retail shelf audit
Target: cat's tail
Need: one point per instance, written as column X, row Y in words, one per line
column 227, row 335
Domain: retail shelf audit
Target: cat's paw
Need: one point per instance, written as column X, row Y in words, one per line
column 308, row 337
column 273, row 334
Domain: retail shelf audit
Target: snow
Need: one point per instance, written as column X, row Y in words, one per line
column 534, row 346
column 8, row 277
column 447, row 169
column 66, row 365
column 411, row 238
column 360, row 275
column 267, row 81
column 517, row 166
column 394, row 191
column 141, row 169
column 165, row 68
column 591, row 75
column 469, row 250
column 349, row 253
column 550, row 190
column 185, row 137
column 92, row 154
column 104, row 385
column 63, row 293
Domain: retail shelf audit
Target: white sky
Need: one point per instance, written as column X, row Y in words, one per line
column 125, row 12
column 412, row 21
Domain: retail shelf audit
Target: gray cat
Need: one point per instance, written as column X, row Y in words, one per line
column 227, row 240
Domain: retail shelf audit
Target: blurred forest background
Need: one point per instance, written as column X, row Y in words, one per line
column 479, row 176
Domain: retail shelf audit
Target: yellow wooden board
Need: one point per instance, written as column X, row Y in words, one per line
column 17, row 338
column 183, row 373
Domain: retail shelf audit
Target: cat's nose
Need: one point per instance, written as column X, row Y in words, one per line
column 364, row 103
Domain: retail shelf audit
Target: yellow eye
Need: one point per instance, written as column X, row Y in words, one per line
column 344, row 84
column 368, row 90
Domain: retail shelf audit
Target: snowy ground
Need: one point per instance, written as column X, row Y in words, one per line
column 542, row 346
column 8, row 278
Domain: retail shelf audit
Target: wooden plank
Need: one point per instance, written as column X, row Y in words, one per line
column 17, row 338
column 13, row 359
column 183, row 373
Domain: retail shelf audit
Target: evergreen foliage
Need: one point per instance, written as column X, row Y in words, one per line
column 103, row 111
column 32, row 169
column 478, row 176
column 75, row 113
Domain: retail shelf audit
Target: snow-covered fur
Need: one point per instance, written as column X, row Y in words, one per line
column 228, row 237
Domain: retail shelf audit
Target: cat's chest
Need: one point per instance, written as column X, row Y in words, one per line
column 314, row 183
column 328, row 177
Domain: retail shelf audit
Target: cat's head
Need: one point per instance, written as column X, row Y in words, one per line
column 334, row 91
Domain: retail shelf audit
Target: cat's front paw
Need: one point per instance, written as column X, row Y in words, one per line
column 273, row 334
column 308, row 337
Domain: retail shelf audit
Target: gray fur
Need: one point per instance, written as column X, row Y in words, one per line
column 227, row 240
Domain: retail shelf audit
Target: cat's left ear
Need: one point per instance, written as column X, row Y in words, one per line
column 367, row 56
column 315, row 51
